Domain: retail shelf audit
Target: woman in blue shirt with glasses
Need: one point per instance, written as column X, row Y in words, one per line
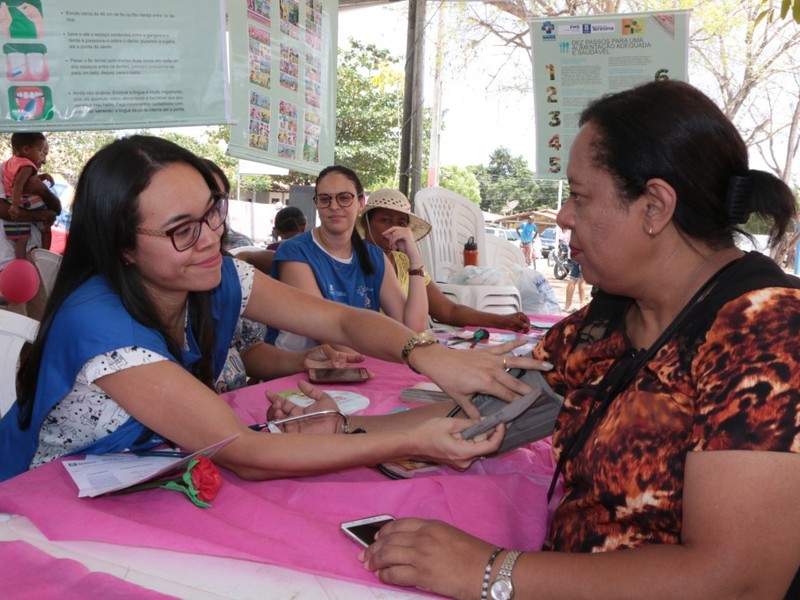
column 333, row 262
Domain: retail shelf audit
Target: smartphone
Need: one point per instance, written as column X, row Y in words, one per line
column 363, row 531
column 347, row 375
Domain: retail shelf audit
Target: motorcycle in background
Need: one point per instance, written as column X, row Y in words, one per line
column 561, row 260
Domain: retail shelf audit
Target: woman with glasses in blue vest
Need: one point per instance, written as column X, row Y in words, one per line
column 333, row 262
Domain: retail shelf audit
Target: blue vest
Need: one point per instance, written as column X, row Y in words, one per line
column 337, row 281
column 93, row 321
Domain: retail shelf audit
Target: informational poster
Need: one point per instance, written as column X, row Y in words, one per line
column 95, row 64
column 578, row 59
column 283, row 82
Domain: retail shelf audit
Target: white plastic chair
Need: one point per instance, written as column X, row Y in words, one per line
column 501, row 254
column 15, row 330
column 454, row 219
column 47, row 263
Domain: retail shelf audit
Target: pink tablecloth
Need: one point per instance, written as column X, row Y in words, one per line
column 294, row 523
column 27, row 573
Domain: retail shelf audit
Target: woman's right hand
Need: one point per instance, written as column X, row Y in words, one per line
column 402, row 239
column 439, row 440
column 428, row 555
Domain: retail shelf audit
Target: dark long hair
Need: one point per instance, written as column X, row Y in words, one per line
column 358, row 244
column 671, row 130
column 104, row 221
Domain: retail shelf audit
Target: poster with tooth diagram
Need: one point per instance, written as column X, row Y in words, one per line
column 94, row 64
column 578, row 59
column 283, row 78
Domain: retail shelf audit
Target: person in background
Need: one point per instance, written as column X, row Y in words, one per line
column 7, row 248
column 332, row 261
column 230, row 239
column 388, row 212
column 528, row 230
column 250, row 359
column 289, row 222
column 574, row 279
column 679, row 438
column 21, row 181
column 140, row 321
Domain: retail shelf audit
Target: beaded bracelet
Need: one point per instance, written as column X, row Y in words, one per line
column 487, row 573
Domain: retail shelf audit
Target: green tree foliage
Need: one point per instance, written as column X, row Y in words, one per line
column 369, row 110
column 461, row 181
column 504, row 180
column 507, row 185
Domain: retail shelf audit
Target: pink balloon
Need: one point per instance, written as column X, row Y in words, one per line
column 19, row 281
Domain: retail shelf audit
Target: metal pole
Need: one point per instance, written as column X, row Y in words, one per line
column 405, row 132
column 436, row 122
column 418, row 100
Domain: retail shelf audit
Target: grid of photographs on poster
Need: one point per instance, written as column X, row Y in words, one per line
column 297, row 91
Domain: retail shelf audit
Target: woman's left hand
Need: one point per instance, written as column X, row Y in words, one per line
column 326, row 356
column 283, row 408
column 430, row 556
column 517, row 321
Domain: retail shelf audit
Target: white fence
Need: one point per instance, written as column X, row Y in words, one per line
column 253, row 219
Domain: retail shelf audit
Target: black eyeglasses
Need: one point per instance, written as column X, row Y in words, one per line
column 185, row 235
column 343, row 199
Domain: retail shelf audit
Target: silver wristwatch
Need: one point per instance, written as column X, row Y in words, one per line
column 502, row 588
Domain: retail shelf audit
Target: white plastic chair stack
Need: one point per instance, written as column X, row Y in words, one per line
column 47, row 263
column 454, row 220
column 501, row 254
column 15, row 330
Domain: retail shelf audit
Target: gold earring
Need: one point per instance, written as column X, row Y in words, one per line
column 650, row 233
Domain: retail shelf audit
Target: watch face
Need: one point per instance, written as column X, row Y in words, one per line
column 425, row 338
column 502, row 590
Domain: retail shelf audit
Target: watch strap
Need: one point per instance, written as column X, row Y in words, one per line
column 414, row 342
column 420, row 272
column 505, row 572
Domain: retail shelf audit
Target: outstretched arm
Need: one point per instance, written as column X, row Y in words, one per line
column 460, row 373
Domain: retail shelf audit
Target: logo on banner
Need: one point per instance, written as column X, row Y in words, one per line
column 604, row 28
column 632, row 27
column 548, row 27
column 570, row 29
column 586, row 28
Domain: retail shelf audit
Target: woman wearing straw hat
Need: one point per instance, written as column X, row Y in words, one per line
column 387, row 222
column 332, row 261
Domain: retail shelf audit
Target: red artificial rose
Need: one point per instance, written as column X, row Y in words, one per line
column 205, row 478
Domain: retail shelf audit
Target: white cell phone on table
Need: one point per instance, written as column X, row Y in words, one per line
column 362, row 531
